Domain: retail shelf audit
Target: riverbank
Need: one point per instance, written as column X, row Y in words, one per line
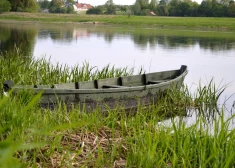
column 193, row 23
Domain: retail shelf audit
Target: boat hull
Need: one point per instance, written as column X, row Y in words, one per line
column 124, row 92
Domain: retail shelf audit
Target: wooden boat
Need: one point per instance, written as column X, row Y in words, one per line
column 127, row 91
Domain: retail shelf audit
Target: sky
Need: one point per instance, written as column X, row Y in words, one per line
column 117, row 2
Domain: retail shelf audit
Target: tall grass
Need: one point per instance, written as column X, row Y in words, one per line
column 206, row 99
column 35, row 137
column 27, row 70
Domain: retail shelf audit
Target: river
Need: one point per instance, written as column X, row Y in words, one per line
column 208, row 55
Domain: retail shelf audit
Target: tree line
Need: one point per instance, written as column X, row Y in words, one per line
column 18, row 5
column 207, row 8
column 53, row 6
column 57, row 6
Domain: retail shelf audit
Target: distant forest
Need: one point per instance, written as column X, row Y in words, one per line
column 207, row 8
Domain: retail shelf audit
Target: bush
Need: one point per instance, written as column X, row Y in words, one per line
column 96, row 11
column 54, row 9
column 145, row 12
column 5, row 6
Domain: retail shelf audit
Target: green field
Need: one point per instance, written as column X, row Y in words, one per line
column 35, row 137
column 194, row 23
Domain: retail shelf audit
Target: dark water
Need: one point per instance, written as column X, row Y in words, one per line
column 207, row 54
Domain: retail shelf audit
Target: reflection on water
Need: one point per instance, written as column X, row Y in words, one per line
column 22, row 36
column 172, row 42
column 169, row 41
column 207, row 54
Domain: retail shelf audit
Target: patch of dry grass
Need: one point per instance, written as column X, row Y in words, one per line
column 79, row 148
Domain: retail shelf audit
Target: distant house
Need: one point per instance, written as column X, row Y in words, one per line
column 78, row 7
column 152, row 14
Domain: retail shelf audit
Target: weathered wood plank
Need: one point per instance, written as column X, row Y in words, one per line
column 106, row 82
column 65, row 86
column 137, row 80
column 87, row 85
column 162, row 75
column 42, row 86
column 112, row 86
column 156, row 82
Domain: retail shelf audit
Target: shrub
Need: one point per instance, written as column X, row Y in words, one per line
column 96, row 11
column 5, row 6
column 145, row 12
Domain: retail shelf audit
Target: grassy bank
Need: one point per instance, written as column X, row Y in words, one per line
column 34, row 137
column 199, row 23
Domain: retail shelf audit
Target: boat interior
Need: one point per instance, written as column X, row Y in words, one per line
column 121, row 82
column 108, row 83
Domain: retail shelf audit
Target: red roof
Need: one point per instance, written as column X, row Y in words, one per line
column 152, row 13
column 83, row 6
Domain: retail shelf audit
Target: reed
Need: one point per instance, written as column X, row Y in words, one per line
column 206, row 99
column 35, row 137
column 27, row 70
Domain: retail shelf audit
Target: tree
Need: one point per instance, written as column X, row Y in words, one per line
column 231, row 9
column 56, row 3
column 162, row 8
column 137, row 8
column 70, row 9
column 44, row 4
column 110, row 7
column 5, row 6
column 153, row 5
column 24, row 5
column 218, row 9
column 68, row 2
column 205, row 9
column 143, row 4
column 55, row 6
column 163, row 2
column 183, row 8
column 61, row 6
column 194, row 9
column 224, row 2
column 124, row 8
column 173, row 8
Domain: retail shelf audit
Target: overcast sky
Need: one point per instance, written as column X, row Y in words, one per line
column 117, row 2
